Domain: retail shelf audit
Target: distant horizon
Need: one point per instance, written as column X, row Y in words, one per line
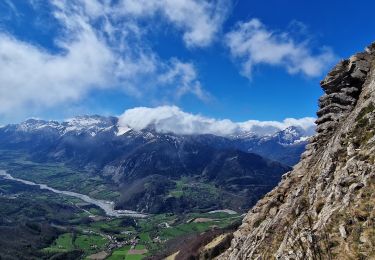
column 171, row 119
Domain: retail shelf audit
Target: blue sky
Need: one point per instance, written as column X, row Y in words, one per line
column 238, row 59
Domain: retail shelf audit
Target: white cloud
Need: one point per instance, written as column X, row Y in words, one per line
column 99, row 49
column 252, row 43
column 199, row 20
column 31, row 76
column 172, row 119
column 186, row 75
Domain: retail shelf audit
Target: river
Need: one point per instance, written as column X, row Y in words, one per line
column 107, row 206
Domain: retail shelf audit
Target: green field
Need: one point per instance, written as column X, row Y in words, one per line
column 63, row 243
column 134, row 257
column 89, row 244
column 119, row 254
column 122, row 254
column 145, row 237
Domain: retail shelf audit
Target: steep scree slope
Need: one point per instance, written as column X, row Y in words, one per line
column 324, row 208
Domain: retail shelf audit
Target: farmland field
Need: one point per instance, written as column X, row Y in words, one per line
column 71, row 228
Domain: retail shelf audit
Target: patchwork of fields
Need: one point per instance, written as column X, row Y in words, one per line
column 68, row 228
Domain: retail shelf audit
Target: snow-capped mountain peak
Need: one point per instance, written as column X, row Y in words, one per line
column 90, row 124
column 244, row 135
column 123, row 130
column 77, row 125
column 291, row 135
column 32, row 125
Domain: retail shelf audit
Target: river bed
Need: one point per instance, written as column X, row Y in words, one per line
column 107, row 206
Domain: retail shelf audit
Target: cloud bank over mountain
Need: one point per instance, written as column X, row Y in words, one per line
column 172, row 119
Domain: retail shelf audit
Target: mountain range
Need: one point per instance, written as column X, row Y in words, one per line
column 284, row 146
column 162, row 172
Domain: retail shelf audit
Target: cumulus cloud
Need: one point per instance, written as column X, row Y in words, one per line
column 199, row 20
column 102, row 45
column 171, row 119
column 252, row 43
column 31, row 76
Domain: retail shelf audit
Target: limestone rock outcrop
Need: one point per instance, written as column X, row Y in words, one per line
column 325, row 207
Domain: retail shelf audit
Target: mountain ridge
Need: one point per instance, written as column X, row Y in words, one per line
column 285, row 146
column 153, row 172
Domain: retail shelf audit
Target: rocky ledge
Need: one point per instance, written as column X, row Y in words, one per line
column 342, row 87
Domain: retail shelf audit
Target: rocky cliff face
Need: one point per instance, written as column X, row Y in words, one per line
column 325, row 207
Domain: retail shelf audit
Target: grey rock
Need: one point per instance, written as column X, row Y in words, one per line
column 342, row 231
